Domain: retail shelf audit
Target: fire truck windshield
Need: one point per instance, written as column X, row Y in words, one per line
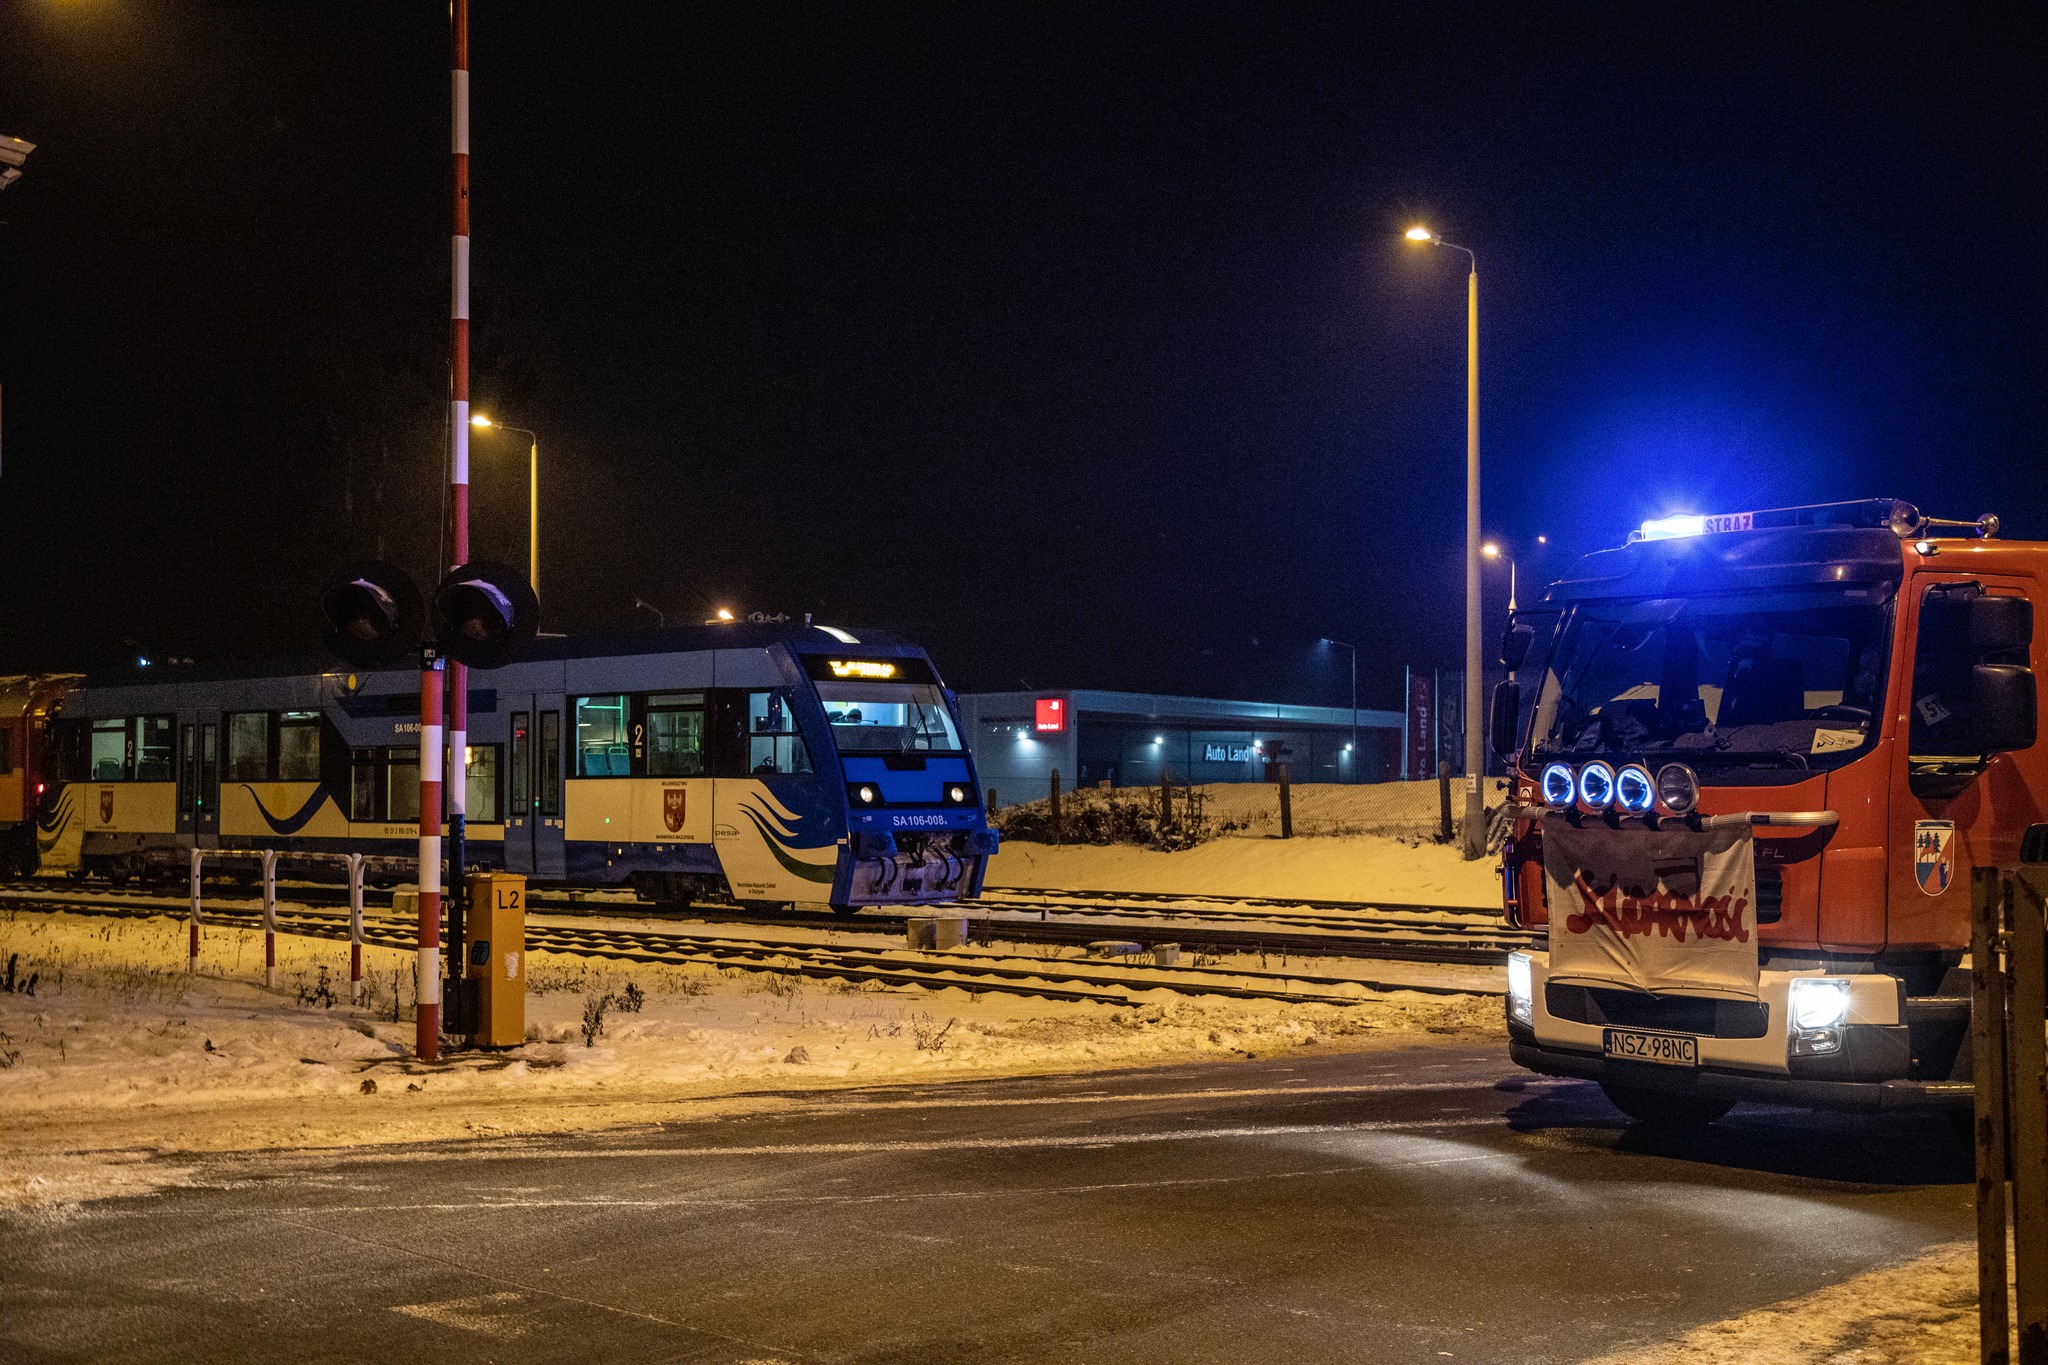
column 1789, row 680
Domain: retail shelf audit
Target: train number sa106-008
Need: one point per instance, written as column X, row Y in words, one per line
column 908, row 821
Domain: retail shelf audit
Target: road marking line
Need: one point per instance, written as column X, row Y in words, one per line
column 474, row 1314
column 1099, row 1097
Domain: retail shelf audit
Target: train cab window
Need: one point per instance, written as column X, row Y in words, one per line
column 773, row 745
column 109, row 750
column 602, row 747
column 402, row 785
column 482, row 784
column 298, row 746
column 522, row 768
column 550, row 745
column 888, row 717
column 249, row 746
column 675, row 734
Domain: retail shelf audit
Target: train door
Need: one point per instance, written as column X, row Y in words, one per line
column 533, row 816
column 199, row 783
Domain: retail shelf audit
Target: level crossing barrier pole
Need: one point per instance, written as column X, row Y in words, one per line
column 192, row 961
column 1987, row 1064
column 270, row 918
column 2028, row 1057
column 355, row 928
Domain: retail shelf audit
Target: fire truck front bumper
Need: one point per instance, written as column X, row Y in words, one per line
column 1838, row 1042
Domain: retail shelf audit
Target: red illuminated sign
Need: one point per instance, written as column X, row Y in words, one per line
column 1052, row 714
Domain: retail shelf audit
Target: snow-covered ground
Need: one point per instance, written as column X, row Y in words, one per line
column 120, row 1053
column 1358, row 867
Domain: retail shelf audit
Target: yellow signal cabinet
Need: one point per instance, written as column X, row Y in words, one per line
column 497, row 957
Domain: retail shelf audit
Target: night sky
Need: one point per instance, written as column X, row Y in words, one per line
column 1078, row 343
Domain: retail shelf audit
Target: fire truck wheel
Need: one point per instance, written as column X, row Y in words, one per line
column 1663, row 1111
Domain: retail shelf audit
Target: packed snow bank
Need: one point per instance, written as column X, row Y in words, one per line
column 1923, row 1312
column 120, row 1051
column 1359, row 867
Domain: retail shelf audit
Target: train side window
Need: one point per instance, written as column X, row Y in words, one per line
column 248, row 746
column 298, row 746
column 7, row 750
column 675, row 734
column 109, row 750
column 522, row 771
column 209, row 764
column 483, row 785
column 188, row 765
column 550, row 741
column 154, row 741
column 402, row 785
column 366, row 773
column 773, row 745
column 602, row 749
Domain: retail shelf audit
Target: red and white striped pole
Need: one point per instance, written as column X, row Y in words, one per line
column 427, row 1038
column 458, row 467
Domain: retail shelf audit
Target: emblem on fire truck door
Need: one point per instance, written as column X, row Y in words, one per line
column 1934, row 854
column 673, row 804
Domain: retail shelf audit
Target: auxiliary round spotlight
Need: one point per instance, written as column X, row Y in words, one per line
column 1596, row 785
column 1634, row 792
column 1678, row 789
column 1558, row 786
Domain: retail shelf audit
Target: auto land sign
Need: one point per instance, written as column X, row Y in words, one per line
column 1652, row 910
column 1934, row 854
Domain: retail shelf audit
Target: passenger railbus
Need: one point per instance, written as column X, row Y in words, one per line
column 758, row 763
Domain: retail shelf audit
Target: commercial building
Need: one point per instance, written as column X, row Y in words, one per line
column 1129, row 739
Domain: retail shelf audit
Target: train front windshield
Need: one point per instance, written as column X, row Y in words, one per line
column 891, row 718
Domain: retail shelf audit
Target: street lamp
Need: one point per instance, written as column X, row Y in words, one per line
column 1475, row 801
column 1493, row 551
column 1339, row 644
column 532, row 497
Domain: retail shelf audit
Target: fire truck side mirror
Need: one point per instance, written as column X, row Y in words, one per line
column 1501, row 722
column 1514, row 644
column 372, row 613
column 2002, row 707
column 2000, row 625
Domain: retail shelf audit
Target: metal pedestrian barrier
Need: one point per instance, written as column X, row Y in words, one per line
column 269, row 858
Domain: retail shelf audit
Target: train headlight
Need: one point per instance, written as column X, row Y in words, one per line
column 1559, row 787
column 959, row 794
column 863, row 794
column 1678, row 789
column 1634, row 792
column 1596, row 785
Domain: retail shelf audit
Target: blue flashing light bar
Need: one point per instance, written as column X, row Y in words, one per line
column 1902, row 518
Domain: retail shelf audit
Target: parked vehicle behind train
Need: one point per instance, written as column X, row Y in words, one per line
column 756, row 763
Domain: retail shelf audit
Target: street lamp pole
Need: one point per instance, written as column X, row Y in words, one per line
column 1354, row 701
column 1475, row 800
column 532, row 497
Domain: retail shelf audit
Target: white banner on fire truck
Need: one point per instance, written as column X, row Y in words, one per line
column 1652, row 910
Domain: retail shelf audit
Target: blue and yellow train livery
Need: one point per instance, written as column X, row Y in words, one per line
column 755, row 763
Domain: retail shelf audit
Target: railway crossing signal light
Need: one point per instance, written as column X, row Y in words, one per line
column 373, row 615
column 483, row 612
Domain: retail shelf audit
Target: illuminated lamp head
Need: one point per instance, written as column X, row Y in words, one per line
column 1678, row 789
column 1634, row 790
column 1596, row 786
column 1558, row 786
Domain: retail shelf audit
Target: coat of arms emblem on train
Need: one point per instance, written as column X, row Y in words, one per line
column 1934, row 854
column 673, row 803
column 106, row 805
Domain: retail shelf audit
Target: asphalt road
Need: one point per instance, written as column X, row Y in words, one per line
column 1428, row 1204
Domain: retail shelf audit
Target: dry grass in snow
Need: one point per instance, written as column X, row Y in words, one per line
column 119, row 1051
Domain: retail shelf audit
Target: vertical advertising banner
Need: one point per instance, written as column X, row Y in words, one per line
column 1422, row 737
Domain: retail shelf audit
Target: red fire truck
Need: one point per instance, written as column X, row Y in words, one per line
column 1753, row 758
column 26, row 704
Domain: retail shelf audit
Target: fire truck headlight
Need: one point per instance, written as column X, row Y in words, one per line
column 1596, row 785
column 1819, row 1007
column 1634, row 792
column 1521, row 991
column 1559, row 786
column 1678, row 789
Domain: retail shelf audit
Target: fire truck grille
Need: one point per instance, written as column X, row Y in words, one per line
column 1677, row 1013
column 1770, row 895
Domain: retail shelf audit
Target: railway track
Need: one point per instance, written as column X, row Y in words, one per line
column 967, row 969
column 1350, row 929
